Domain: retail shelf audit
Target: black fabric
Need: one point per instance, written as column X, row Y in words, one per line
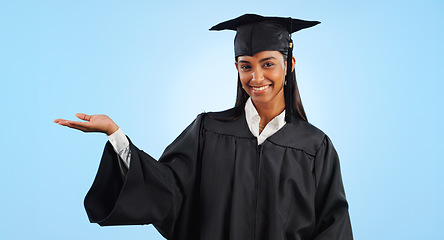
column 215, row 183
column 255, row 33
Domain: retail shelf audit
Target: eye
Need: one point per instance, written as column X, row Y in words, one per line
column 268, row 64
column 245, row 67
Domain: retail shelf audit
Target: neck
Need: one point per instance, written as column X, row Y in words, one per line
column 268, row 111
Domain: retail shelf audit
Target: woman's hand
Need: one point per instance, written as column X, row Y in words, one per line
column 94, row 123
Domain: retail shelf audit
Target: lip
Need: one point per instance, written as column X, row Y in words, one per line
column 260, row 89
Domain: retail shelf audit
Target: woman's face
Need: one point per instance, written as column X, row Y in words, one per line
column 262, row 76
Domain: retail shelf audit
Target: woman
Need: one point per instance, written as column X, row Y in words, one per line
column 256, row 171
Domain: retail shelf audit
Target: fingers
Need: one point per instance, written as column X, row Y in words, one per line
column 78, row 127
column 84, row 116
column 65, row 122
column 77, row 124
column 79, row 115
column 62, row 122
column 83, row 126
column 59, row 120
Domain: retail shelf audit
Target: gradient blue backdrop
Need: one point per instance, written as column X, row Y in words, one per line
column 371, row 76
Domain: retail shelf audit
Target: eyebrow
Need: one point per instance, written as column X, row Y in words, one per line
column 268, row 58
column 262, row 60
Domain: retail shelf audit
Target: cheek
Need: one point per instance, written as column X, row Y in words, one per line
column 277, row 76
column 244, row 78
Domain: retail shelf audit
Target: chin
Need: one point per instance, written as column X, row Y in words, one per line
column 261, row 99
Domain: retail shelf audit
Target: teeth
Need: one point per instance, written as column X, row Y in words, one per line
column 260, row 88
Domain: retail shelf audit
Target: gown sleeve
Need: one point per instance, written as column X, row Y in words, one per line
column 332, row 217
column 152, row 191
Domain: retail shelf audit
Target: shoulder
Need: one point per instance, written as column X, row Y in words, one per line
column 228, row 122
column 300, row 135
column 225, row 115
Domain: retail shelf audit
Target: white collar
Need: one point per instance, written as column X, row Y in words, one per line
column 253, row 120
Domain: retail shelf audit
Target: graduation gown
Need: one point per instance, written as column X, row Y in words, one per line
column 214, row 182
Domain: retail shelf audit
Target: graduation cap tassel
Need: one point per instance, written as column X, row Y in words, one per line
column 288, row 88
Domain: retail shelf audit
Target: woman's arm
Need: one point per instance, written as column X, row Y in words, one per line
column 152, row 191
column 104, row 124
column 121, row 146
column 332, row 217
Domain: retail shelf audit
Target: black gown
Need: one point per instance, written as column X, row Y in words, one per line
column 215, row 182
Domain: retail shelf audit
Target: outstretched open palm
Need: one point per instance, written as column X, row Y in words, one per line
column 94, row 123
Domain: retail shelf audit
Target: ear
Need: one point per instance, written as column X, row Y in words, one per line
column 293, row 63
column 235, row 63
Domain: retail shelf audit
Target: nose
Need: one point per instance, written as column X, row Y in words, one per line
column 258, row 75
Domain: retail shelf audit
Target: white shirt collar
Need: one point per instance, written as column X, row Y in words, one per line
column 253, row 120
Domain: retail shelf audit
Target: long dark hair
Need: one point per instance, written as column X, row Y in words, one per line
column 298, row 108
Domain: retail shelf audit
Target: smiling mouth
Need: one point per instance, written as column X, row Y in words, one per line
column 262, row 88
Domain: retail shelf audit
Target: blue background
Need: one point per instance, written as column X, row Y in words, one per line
column 371, row 77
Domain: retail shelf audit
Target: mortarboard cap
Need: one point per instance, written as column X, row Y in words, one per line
column 256, row 33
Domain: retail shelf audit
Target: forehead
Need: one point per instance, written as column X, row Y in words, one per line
column 261, row 55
